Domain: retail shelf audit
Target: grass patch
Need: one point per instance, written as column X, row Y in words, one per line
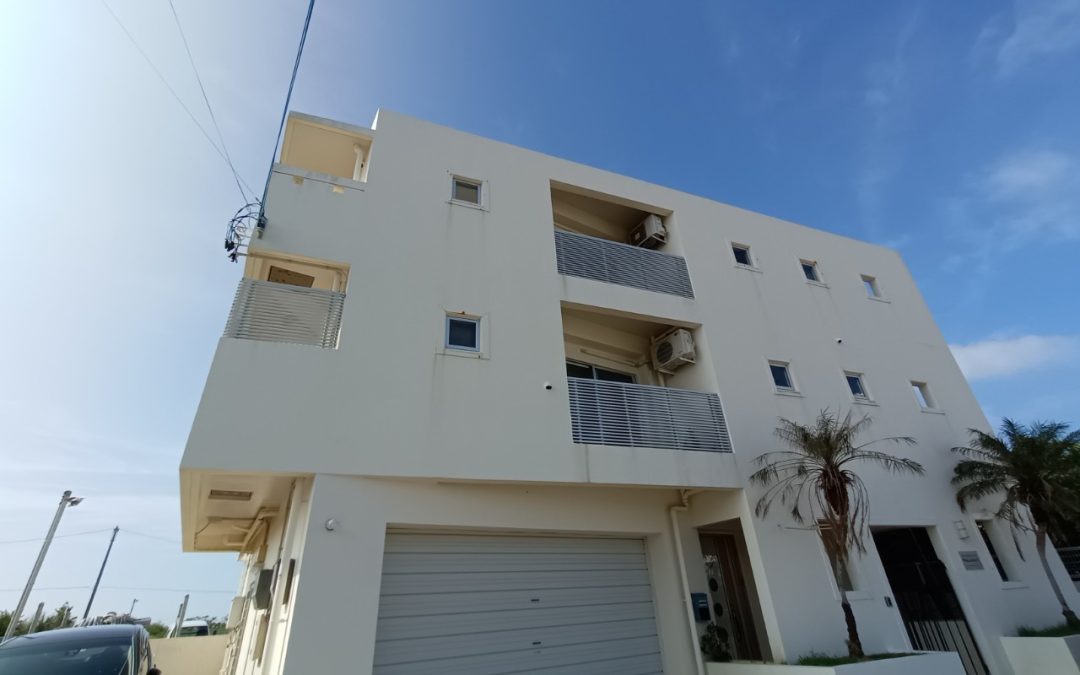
column 1061, row 630
column 819, row 659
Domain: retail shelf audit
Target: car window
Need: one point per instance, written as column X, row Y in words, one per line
column 104, row 657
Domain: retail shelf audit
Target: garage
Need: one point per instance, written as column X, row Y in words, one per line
column 487, row 604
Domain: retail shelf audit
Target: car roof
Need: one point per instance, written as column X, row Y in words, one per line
column 84, row 633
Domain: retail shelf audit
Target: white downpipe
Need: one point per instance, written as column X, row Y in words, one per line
column 680, row 559
column 359, row 166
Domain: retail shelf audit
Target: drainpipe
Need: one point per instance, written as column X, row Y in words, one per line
column 359, row 166
column 699, row 660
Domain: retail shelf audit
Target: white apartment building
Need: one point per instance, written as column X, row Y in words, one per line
column 458, row 424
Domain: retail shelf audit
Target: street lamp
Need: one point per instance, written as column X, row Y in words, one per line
column 65, row 501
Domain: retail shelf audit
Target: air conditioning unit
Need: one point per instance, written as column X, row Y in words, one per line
column 649, row 233
column 672, row 350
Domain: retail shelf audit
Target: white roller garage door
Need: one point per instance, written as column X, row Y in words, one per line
column 487, row 605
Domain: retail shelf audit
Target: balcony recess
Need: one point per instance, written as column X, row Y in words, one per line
column 644, row 416
column 277, row 312
column 580, row 255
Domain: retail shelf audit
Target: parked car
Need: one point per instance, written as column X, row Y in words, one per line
column 194, row 628
column 118, row 649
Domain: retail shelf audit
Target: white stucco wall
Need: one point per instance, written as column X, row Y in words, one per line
column 391, row 402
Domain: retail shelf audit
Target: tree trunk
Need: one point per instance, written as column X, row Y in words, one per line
column 854, row 644
column 1040, row 546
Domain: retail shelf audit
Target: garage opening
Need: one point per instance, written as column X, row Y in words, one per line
column 491, row 604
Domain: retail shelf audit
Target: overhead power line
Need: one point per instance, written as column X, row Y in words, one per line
column 206, row 99
column 288, row 97
column 151, row 536
column 59, row 536
column 172, row 91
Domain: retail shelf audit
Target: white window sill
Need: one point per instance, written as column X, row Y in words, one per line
column 819, row 284
column 461, row 353
column 1013, row 585
column 788, row 392
column 468, row 205
column 856, row 595
column 864, row 401
column 932, row 411
column 878, row 299
column 748, row 268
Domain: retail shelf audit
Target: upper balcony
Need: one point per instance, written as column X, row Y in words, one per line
column 327, row 151
column 615, row 241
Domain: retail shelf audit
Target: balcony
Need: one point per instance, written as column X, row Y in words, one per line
column 644, row 416
column 580, row 255
column 280, row 312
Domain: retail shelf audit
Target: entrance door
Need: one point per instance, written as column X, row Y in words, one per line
column 925, row 597
column 728, row 596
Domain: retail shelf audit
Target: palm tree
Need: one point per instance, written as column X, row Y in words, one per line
column 816, row 480
column 1036, row 470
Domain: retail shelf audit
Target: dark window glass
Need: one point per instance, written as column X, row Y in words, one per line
column 462, row 334
column 742, row 254
column 613, row 376
column 780, row 376
column 464, row 191
column 588, row 372
column 810, row 271
column 578, row 370
column 854, row 382
column 993, row 552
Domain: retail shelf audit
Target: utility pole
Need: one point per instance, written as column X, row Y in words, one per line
column 175, row 632
column 37, row 618
column 100, row 572
column 65, row 501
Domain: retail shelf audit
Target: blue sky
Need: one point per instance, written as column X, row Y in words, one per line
column 946, row 130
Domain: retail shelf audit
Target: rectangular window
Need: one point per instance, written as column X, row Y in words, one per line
column 463, row 333
column 840, row 570
column 923, row 395
column 467, row 191
column 589, row 372
column 857, row 386
column 984, row 526
column 742, row 254
column 781, row 376
column 873, row 290
column 810, row 271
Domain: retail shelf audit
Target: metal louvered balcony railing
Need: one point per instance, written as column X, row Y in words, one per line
column 273, row 312
column 579, row 255
column 642, row 416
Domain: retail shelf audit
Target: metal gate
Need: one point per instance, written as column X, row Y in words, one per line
column 925, row 597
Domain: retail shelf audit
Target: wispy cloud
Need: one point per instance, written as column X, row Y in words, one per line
column 1026, row 196
column 1037, row 29
column 1005, row 357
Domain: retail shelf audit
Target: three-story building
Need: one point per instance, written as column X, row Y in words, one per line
column 482, row 410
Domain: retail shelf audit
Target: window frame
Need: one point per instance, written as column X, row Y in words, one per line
column 872, row 288
column 593, row 367
column 818, row 280
column 481, row 191
column 924, row 397
column 464, row 318
column 750, row 257
column 793, row 385
column 1005, row 573
column 867, row 397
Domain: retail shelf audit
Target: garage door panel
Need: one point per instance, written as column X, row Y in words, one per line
column 588, row 657
column 490, row 605
column 397, row 584
column 417, row 627
column 452, row 603
column 400, row 542
column 420, row 563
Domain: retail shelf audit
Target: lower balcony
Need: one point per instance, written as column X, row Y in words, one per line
column 278, row 312
column 644, row 416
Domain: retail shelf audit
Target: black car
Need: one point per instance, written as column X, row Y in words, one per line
column 118, row 649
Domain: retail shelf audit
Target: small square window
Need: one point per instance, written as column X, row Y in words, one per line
column 463, row 333
column 857, row 386
column 781, row 375
column 810, row 271
column 923, row 395
column 984, row 530
column 873, row 290
column 467, row 191
column 742, row 254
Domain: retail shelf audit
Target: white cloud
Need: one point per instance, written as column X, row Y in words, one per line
column 1040, row 28
column 1028, row 174
column 1004, row 357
